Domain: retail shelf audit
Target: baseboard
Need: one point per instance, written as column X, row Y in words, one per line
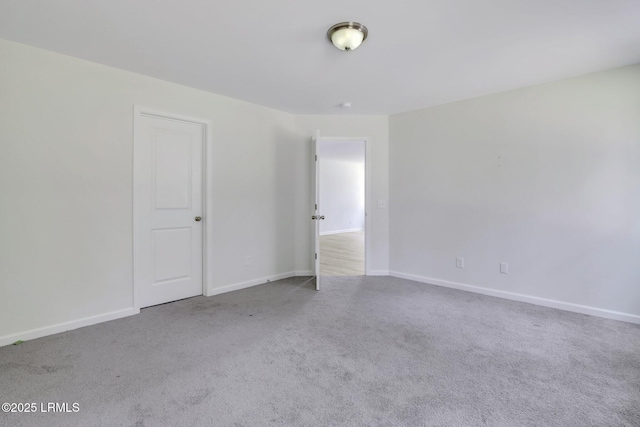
column 378, row 273
column 304, row 273
column 249, row 283
column 66, row 326
column 561, row 305
column 349, row 230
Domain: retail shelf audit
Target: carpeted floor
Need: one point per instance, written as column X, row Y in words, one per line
column 363, row 351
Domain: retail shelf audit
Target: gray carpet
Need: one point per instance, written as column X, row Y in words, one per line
column 363, row 351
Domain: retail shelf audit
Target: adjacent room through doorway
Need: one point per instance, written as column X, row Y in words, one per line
column 342, row 197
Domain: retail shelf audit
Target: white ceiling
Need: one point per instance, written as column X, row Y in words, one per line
column 275, row 52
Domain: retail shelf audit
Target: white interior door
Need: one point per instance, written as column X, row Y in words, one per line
column 316, row 217
column 168, row 209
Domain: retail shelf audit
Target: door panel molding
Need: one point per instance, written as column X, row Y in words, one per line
column 207, row 203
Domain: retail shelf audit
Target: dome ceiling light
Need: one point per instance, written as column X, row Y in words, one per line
column 347, row 35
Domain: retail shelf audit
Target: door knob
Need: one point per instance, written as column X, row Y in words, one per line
column 314, row 217
column 198, row 218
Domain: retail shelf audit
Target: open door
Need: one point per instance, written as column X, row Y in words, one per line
column 316, row 217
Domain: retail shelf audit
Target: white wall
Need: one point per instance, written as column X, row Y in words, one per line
column 66, row 132
column 341, row 186
column 377, row 129
column 545, row 178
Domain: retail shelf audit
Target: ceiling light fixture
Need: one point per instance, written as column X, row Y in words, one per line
column 347, row 35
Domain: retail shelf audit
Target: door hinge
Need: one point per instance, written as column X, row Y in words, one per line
column 316, row 206
column 316, row 255
column 316, row 157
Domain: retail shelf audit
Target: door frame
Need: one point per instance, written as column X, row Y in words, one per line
column 207, row 202
column 367, row 191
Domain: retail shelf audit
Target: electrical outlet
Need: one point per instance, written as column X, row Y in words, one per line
column 382, row 204
column 460, row 262
column 247, row 260
column 504, row 268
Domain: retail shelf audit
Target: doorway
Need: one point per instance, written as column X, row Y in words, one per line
column 168, row 207
column 342, row 192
